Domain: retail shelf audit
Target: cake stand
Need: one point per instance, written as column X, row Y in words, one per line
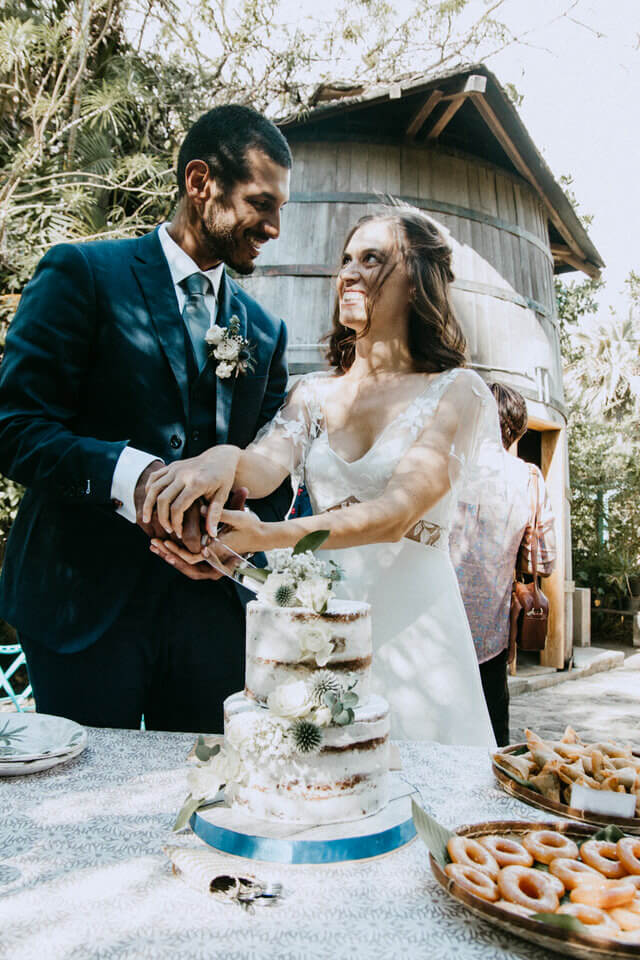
column 234, row 832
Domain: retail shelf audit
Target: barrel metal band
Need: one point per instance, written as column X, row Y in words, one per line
column 469, row 286
column 431, row 206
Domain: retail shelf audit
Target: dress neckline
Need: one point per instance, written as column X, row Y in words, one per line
column 437, row 378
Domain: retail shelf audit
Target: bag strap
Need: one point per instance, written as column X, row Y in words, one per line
column 534, row 535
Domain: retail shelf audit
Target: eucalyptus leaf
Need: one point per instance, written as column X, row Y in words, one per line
column 187, row 810
column 203, row 752
column 343, row 718
column 312, row 541
column 432, row 834
column 336, row 709
column 350, row 699
column 611, row 834
column 330, row 698
column 562, row 920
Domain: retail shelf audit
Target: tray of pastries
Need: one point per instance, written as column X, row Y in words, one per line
column 542, row 773
column 557, row 884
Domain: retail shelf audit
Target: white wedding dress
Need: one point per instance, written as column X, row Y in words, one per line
column 424, row 662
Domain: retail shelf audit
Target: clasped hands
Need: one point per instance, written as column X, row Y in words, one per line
column 190, row 511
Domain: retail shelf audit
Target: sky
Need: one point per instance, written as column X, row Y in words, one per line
column 581, row 107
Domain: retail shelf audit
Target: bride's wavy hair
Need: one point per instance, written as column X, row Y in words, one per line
column 435, row 339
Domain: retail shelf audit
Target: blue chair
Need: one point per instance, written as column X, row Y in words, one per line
column 5, row 675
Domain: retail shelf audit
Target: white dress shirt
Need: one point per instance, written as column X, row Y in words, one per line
column 132, row 462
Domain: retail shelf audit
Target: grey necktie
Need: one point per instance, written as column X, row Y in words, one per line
column 196, row 314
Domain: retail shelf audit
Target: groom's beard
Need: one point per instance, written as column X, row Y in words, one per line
column 221, row 244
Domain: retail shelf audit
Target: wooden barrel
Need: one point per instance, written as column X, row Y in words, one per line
column 503, row 293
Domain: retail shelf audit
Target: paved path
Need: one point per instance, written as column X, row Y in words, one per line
column 605, row 706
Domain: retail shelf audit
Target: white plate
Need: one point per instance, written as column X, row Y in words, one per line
column 19, row 768
column 37, row 736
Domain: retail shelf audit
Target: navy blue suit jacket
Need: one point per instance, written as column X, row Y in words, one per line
column 95, row 359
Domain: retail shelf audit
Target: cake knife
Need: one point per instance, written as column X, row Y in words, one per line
column 237, row 576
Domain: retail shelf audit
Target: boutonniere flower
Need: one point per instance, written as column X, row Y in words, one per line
column 231, row 351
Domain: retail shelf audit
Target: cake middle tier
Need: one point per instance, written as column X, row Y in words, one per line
column 346, row 778
column 292, row 643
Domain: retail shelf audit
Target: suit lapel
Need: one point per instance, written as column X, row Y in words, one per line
column 229, row 305
column 152, row 272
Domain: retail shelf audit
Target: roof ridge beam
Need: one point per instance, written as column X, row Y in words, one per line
column 507, row 144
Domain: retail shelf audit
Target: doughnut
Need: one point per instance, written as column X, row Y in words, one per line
column 605, row 896
column 629, row 854
column 572, row 872
column 600, row 924
column 603, row 856
column 515, row 908
column 473, row 880
column 625, row 918
column 529, row 888
column 505, row 851
column 555, row 883
column 548, row 845
column 470, row 853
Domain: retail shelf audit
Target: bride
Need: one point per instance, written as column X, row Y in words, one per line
column 387, row 443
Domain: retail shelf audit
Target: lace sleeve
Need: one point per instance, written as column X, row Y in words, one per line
column 285, row 440
column 460, row 419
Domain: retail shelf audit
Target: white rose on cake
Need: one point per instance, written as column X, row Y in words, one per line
column 290, row 700
column 316, row 644
column 203, row 781
column 314, row 592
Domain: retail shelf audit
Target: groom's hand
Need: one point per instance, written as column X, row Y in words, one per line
column 191, row 530
column 202, row 569
column 153, row 528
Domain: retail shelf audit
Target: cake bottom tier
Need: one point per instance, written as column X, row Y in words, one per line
column 348, row 778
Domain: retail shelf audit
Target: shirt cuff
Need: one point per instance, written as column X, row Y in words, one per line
column 131, row 463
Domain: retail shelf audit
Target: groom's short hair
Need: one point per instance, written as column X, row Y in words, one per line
column 222, row 136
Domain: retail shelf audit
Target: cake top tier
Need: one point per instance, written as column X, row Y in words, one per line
column 338, row 611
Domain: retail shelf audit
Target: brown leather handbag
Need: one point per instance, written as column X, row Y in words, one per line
column 529, row 614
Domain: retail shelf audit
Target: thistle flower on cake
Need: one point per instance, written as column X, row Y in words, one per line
column 306, row 736
column 291, row 700
column 324, row 681
column 279, row 590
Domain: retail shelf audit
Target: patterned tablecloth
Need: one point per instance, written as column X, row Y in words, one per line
column 83, row 875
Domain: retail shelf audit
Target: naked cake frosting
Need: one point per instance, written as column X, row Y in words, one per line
column 305, row 742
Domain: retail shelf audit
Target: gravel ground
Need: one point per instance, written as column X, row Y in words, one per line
column 605, row 706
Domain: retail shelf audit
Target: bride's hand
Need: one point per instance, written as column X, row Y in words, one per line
column 175, row 487
column 246, row 532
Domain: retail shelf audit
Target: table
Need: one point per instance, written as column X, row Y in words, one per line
column 83, row 875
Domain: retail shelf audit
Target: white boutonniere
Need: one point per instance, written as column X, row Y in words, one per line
column 231, row 351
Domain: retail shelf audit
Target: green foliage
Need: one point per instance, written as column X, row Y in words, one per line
column 602, row 379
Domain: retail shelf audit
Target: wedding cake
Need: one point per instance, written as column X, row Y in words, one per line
column 305, row 742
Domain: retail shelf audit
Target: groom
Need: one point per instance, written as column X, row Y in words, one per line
column 106, row 377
